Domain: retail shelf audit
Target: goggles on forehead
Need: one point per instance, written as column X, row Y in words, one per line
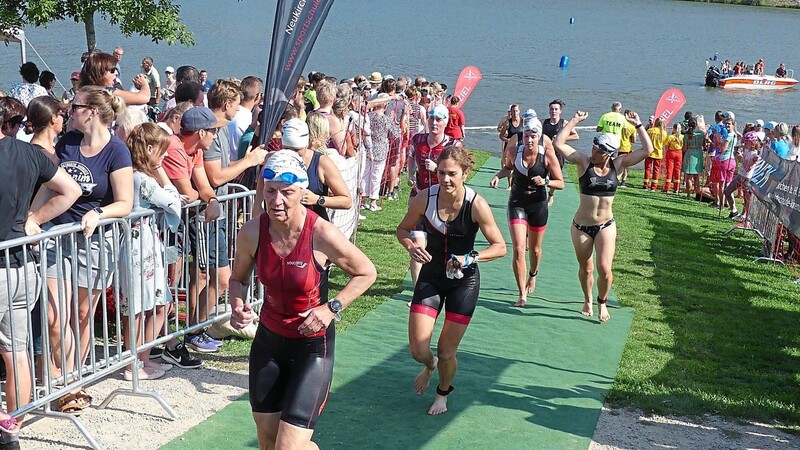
column 607, row 149
column 286, row 177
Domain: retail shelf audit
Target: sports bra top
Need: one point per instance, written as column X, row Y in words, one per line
column 599, row 186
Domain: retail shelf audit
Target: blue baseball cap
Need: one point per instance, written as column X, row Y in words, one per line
column 200, row 118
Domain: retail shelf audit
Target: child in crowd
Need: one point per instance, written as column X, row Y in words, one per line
column 144, row 285
column 747, row 156
column 674, row 159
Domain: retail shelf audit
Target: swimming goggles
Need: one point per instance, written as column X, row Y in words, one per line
column 286, row 177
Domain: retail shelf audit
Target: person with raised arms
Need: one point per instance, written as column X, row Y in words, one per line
column 451, row 214
column 593, row 227
column 534, row 169
column 291, row 359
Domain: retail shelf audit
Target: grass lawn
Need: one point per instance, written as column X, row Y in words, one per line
column 713, row 332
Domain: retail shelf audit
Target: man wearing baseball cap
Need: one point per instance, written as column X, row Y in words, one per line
column 168, row 91
column 183, row 164
column 75, row 79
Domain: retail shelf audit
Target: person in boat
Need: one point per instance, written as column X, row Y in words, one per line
column 759, row 67
column 781, row 71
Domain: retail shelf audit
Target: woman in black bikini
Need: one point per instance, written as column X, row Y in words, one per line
column 593, row 224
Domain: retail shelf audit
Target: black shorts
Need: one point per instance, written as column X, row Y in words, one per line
column 457, row 297
column 532, row 214
column 291, row 376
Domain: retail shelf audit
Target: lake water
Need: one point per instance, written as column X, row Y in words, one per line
column 618, row 50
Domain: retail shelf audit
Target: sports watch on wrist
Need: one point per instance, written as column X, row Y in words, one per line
column 336, row 307
column 98, row 210
column 321, row 200
column 473, row 258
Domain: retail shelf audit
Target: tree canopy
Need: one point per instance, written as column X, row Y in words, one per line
column 156, row 19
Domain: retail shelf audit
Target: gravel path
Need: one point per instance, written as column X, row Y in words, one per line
column 136, row 422
column 133, row 422
column 630, row 429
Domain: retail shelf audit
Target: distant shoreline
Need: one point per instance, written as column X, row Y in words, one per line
column 794, row 4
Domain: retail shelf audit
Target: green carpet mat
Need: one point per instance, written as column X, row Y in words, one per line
column 527, row 378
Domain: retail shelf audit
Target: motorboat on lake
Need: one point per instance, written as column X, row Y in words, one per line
column 714, row 78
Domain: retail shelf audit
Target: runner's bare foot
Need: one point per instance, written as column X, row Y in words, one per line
column 423, row 380
column 587, row 309
column 602, row 314
column 521, row 301
column 530, row 287
column 439, row 405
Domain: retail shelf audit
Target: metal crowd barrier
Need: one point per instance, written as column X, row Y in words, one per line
column 780, row 246
column 106, row 353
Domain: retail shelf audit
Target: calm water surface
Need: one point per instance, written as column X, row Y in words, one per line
column 618, row 50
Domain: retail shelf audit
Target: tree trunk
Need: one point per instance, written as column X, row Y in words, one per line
column 91, row 37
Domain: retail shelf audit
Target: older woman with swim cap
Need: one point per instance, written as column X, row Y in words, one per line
column 534, row 169
column 291, row 359
column 594, row 228
column 451, row 214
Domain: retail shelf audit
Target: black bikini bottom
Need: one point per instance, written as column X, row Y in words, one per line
column 592, row 230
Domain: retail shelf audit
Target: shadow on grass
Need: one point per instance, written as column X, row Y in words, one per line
column 366, row 414
column 733, row 348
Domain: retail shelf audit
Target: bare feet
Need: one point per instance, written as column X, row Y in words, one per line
column 439, row 405
column 530, row 287
column 587, row 309
column 423, row 380
column 603, row 313
column 521, row 301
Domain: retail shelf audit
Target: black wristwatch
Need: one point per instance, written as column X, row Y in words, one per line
column 98, row 210
column 321, row 201
column 336, row 307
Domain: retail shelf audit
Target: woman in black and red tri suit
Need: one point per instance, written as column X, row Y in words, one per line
column 593, row 227
column 291, row 359
column 451, row 214
column 534, row 169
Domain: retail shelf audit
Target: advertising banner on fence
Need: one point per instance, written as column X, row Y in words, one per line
column 776, row 182
column 297, row 25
